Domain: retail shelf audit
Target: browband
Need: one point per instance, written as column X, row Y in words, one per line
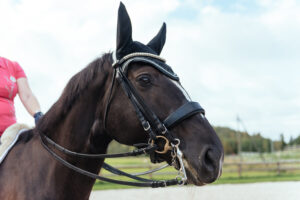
column 153, row 60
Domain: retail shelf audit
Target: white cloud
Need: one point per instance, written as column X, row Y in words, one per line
column 232, row 62
column 243, row 64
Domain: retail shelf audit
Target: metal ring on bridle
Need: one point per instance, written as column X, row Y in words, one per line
column 167, row 146
column 178, row 142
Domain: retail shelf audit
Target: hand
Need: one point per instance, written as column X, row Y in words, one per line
column 37, row 116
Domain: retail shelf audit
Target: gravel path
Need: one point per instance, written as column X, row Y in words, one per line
column 253, row 191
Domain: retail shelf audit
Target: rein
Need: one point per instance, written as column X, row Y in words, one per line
column 144, row 183
column 152, row 125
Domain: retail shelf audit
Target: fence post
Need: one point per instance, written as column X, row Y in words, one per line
column 240, row 169
column 278, row 168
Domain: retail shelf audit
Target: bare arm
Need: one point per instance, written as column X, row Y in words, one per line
column 27, row 98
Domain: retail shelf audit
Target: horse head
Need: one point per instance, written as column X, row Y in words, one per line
column 161, row 91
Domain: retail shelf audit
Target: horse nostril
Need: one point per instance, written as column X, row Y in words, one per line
column 210, row 160
column 210, row 164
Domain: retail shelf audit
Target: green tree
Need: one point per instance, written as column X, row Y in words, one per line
column 283, row 144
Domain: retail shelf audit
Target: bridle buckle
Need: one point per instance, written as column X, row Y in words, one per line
column 146, row 126
column 164, row 129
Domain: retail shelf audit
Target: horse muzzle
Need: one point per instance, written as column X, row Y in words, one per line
column 205, row 169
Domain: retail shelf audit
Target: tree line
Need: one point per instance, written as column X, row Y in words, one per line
column 251, row 143
column 230, row 139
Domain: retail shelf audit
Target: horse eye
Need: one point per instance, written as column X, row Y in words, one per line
column 144, row 80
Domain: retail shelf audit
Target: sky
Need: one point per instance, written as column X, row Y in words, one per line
column 235, row 57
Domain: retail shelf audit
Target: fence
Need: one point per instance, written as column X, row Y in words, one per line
column 228, row 167
column 277, row 166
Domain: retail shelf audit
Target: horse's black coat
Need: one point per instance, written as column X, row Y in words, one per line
column 75, row 122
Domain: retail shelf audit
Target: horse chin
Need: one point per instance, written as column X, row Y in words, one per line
column 193, row 177
column 193, row 180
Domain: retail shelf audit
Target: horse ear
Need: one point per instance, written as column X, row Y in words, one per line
column 158, row 42
column 124, row 30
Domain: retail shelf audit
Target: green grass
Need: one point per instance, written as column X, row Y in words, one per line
column 253, row 177
column 99, row 185
column 228, row 177
column 225, row 179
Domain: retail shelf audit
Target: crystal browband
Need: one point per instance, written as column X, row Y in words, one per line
column 136, row 54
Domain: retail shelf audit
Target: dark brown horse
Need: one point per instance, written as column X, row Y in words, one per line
column 79, row 121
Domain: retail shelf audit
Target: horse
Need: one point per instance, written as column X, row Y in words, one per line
column 125, row 96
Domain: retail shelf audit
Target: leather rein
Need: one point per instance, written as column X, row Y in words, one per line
column 152, row 125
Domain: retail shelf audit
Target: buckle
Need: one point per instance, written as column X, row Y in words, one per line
column 146, row 126
column 165, row 130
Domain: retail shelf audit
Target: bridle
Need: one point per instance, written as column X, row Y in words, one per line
column 152, row 125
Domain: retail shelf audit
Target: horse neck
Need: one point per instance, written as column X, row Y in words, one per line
column 75, row 132
column 81, row 131
column 81, row 128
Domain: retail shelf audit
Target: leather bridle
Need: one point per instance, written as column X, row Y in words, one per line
column 152, row 125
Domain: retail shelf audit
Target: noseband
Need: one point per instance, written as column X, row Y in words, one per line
column 156, row 128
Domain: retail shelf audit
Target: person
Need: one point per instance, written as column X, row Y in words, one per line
column 13, row 81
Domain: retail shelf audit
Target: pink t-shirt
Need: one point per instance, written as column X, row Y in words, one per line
column 9, row 73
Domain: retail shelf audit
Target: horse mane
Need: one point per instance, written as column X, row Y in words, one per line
column 74, row 88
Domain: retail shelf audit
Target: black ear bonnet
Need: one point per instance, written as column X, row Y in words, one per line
column 129, row 51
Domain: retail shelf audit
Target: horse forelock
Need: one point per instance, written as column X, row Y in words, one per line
column 73, row 90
